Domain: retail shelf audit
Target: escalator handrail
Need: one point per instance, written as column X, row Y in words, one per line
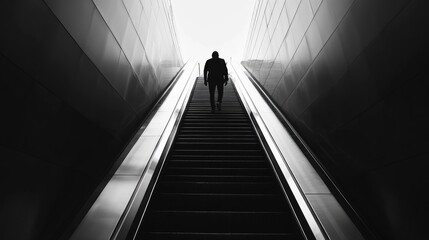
column 112, row 214
column 315, row 218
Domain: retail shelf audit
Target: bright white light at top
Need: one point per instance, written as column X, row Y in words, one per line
column 204, row 26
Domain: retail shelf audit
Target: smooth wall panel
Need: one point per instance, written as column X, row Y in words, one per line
column 350, row 75
column 77, row 79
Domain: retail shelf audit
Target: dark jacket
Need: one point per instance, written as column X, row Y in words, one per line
column 216, row 69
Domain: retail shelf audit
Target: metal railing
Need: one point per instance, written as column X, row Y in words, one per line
column 314, row 205
column 113, row 213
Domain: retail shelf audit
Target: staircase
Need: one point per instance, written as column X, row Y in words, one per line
column 217, row 182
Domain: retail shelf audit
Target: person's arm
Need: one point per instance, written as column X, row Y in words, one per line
column 205, row 73
column 225, row 73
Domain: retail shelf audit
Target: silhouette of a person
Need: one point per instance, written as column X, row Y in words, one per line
column 216, row 74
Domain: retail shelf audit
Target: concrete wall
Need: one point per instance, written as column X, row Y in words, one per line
column 352, row 75
column 77, row 78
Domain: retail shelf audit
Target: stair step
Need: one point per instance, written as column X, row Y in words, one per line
column 212, row 152
column 219, row 236
column 218, row 163
column 217, row 178
column 216, row 125
column 201, row 137
column 188, row 157
column 190, row 119
column 219, row 171
column 220, row 202
column 216, row 128
column 217, row 187
column 220, row 222
column 202, row 145
column 218, row 115
column 209, row 134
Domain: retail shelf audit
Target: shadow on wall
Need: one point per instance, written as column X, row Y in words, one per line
column 77, row 79
column 351, row 77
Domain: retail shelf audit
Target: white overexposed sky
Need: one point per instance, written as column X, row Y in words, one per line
column 204, row 26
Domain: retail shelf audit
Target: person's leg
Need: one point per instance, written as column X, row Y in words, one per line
column 212, row 87
column 219, row 94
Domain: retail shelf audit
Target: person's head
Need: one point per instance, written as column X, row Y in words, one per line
column 215, row 54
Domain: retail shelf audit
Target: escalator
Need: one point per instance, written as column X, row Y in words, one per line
column 217, row 182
